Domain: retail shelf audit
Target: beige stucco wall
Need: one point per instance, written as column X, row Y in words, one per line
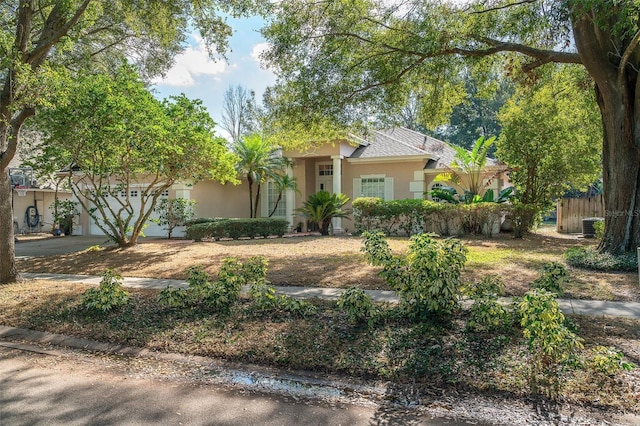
column 217, row 200
column 42, row 200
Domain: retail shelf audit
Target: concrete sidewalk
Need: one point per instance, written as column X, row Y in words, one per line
column 568, row 306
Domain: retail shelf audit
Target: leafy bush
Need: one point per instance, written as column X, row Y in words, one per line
column 552, row 278
column 265, row 300
column 174, row 212
column 525, row 217
column 108, row 296
column 173, row 297
column 237, row 228
column 486, row 312
column 591, row 258
column 358, row 305
column 605, row 362
column 411, row 216
column 552, row 344
column 427, row 278
column 198, row 220
column 598, row 227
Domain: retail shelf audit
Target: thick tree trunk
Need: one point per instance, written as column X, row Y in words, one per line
column 8, row 270
column 613, row 64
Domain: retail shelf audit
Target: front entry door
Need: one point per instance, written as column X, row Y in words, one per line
column 324, row 176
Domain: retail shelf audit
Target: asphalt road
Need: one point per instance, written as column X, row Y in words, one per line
column 71, row 389
column 57, row 245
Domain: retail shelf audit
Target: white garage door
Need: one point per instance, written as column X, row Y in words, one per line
column 152, row 229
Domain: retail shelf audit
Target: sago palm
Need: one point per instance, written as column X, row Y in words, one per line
column 322, row 207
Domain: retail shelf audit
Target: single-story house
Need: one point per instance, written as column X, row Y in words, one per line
column 395, row 163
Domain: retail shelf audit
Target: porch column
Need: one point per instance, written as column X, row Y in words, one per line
column 182, row 191
column 337, row 188
column 290, row 202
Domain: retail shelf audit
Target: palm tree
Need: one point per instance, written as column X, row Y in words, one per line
column 259, row 161
column 468, row 171
column 282, row 184
column 321, row 207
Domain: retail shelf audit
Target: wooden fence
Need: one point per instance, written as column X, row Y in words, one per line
column 571, row 211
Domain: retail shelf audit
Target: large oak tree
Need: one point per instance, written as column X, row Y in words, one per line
column 346, row 60
column 40, row 37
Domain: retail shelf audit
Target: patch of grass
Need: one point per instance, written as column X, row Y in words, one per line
column 430, row 354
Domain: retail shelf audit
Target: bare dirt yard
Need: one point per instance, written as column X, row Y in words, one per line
column 338, row 262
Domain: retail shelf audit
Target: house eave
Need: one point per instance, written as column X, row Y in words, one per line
column 403, row 159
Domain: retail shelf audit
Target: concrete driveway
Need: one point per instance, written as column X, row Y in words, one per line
column 58, row 245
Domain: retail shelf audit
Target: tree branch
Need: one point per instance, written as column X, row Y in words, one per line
column 627, row 53
column 54, row 31
column 505, row 6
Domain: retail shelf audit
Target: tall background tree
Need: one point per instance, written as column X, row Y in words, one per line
column 114, row 138
column 239, row 112
column 344, row 59
column 551, row 136
column 42, row 38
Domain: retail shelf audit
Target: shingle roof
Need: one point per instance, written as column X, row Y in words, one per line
column 403, row 142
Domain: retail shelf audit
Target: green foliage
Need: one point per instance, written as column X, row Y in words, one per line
column 117, row 135
column 606, row 362
column 552, row 278
column 175, row 212
column 173, row 297
column 551, row 343
column 237, row 228
column 552, row 136
column 468, row 171
column 322, row 207
column 591, row 258
column 525, row 217
column 427, row 277
column 64, row 212
column 486, row 312
column 258, row 161
column 598, row 227
column 410, row 216
column 358, row 305
column 265, row 300
column 108, row 296
column 375, row 214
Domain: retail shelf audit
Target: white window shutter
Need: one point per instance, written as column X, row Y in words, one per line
column 264, row 199
column 357, row 187
column 388, row 189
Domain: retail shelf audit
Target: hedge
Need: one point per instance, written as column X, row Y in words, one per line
column 237, row 228
column 411, row 216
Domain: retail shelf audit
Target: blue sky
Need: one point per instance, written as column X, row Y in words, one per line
column 196, row 75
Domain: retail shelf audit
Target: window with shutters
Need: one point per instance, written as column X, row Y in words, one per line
column 378, row 186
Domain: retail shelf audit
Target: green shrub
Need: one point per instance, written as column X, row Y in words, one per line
column 552, row 344
column 598, row 227
column 217, row 296
column 198, row 220
column 237, row 228
column 265, row 300
column 427, row 277
column 552, row 278
column 525, row 217
column 410, row 216
column 173, row 297
column 605, row 362
column 358, row 305
column 108, row 296
column 486, row 312
column 591, row 258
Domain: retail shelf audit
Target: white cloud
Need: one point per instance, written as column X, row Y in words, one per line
column 193, row 62
column 257, row 50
